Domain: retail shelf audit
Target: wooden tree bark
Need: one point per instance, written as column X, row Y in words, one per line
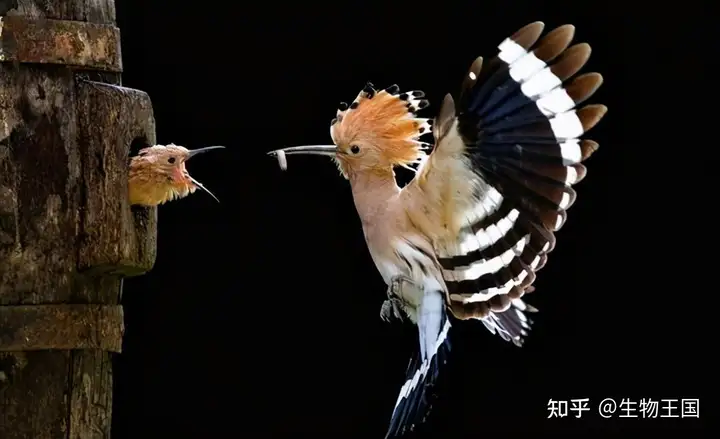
column 67, row 232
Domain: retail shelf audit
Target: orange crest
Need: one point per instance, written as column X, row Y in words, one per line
column 386, row 119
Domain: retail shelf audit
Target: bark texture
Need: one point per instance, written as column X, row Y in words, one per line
column 67, row 232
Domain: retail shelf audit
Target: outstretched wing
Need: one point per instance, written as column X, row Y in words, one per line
column 498, row 183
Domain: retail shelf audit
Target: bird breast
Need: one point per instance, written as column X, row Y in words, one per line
column 408, row 256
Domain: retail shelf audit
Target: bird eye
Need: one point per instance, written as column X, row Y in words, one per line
column 354, row 149
column 171, row 160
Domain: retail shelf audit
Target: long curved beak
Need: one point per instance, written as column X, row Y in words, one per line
column 326, row 150
column 195, row 152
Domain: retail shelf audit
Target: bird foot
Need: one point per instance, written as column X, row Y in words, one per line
column 404, row 288
column 392, row 309
column 399, row 289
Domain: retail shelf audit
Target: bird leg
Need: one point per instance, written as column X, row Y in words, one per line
column 400, row 288
column 391, row 309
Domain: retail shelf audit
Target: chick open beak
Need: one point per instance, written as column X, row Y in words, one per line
column 324, row 150
column 195, row 152
column 200, row 185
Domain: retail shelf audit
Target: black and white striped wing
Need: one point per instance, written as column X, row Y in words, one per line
column 518, row 120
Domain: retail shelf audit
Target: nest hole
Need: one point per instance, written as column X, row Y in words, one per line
column 137, row 144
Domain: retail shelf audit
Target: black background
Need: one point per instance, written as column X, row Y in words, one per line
column 261, row 315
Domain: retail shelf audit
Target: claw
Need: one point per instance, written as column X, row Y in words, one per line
column 392, row 308
column 397, row 292
column 386, row 311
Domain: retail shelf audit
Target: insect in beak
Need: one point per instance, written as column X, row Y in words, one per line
column 324, row 150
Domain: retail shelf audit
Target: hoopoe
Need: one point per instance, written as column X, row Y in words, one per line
column 467, row 235
column 158, row 174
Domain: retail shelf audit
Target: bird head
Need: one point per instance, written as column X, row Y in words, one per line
column 158, row 174
column 377, row 131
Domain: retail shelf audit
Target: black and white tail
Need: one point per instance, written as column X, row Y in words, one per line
column 416, row 395
column 519, row 119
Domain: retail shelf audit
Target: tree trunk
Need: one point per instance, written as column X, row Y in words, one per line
column 67, row 232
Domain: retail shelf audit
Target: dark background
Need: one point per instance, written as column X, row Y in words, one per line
column 261, row 315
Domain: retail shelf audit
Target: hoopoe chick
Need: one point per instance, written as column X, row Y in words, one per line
column 158, row 174
column 468, row 234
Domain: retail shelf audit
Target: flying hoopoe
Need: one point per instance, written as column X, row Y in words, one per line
column 467, row 235
column 158, row 174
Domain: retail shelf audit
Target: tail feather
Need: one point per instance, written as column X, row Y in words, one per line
column 416, row 396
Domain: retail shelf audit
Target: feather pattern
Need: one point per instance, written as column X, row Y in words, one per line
column 499, row 181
